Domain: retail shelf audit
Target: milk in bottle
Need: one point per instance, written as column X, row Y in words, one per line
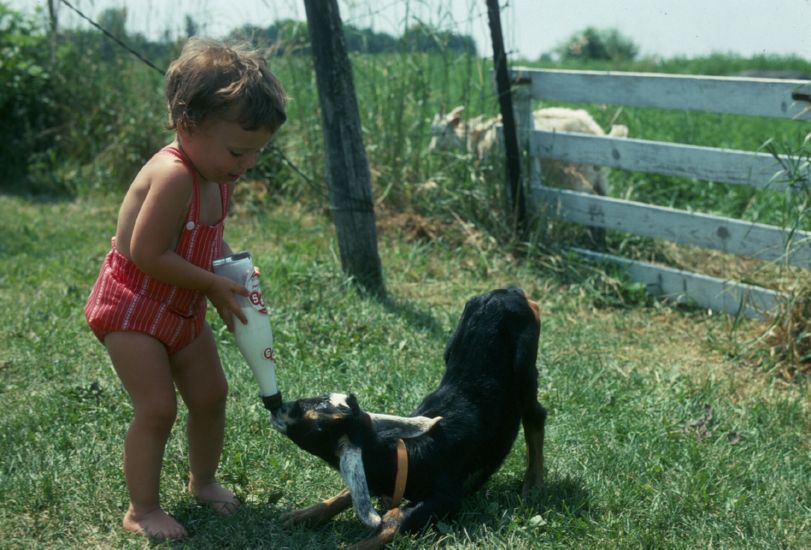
column 254, row 340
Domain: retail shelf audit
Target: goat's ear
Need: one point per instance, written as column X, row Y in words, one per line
column 526, row 350
column 454, row 118
column 388, row 426
column 352, row 401
column 359, row 422
column 351, row 467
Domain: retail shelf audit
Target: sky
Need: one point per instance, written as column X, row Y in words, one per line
column 662, row 28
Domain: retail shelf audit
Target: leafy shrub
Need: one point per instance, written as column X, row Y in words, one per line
column 598, row 44
column 26, row 108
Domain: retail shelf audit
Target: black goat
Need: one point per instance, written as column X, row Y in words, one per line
column 456, row 438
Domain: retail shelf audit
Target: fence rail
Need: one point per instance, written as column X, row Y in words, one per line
column 750, row 301
column 753, row 97
column 715, row 94
column 670, row 159
column 763, row 242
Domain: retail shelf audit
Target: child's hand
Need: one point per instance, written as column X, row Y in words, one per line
column 221, row 293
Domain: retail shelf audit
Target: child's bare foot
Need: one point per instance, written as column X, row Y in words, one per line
column 157, row 524
column 216, row 496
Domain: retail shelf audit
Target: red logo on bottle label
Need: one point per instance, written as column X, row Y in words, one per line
column 256, row 294
column 269, row 354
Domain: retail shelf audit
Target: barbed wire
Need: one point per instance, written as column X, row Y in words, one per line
column 364, row 206
column 380, row 10
column 149, row 63
column 112, row 37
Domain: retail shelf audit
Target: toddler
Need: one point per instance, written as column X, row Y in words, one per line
column 148, row 304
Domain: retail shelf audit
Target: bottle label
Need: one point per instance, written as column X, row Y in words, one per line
column 252, row 284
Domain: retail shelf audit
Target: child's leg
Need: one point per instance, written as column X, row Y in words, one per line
column 201, row 381
column 143, row 366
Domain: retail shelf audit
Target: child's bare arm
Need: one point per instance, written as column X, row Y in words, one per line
column 154, row 234
column 221, row 294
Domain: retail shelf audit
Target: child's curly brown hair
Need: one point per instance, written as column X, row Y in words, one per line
column 233, row 82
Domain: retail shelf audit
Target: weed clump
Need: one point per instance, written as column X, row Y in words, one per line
column 785, row 347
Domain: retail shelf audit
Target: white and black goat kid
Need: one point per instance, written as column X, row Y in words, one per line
column 453, row 441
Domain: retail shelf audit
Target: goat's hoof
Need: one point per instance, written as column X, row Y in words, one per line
column 384, row 534
column 532, row 488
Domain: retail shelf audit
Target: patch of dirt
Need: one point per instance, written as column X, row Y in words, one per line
column 783, row 345
column 728, row 266
column 413, row 227
column 669, row 343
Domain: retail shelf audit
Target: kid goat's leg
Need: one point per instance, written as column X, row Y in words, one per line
column 534, row 419
column 413, row 518
column 320, row 513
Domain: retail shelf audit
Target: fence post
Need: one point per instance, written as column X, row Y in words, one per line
column 525, row 123
column 348, row 176
column 517, row 203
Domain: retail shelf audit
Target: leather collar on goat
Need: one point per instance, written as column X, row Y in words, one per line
column 401, row 476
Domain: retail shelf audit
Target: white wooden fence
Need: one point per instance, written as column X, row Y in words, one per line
column 743, row 96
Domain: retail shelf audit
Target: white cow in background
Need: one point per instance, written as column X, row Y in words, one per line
column 478, row 136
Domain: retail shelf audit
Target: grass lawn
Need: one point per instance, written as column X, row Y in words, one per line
column 658, row 437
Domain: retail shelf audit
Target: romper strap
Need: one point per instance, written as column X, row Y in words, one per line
column 194, row 208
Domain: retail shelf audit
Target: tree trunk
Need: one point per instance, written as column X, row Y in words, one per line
column 348, row 176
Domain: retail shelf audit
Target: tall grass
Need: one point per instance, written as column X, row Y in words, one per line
column 109, row 117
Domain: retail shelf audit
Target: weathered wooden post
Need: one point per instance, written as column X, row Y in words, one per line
column 515, row 190
column 525, row 123
column 348, row 176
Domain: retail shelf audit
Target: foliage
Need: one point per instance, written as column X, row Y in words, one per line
column 284, row 37
column 598, row 44
column 425, row 38
column 784, row 346
column 26, row 106
column 368, row 41
column 89, row 121
column 288, row 36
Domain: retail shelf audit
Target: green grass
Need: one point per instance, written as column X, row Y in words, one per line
column 657, row 436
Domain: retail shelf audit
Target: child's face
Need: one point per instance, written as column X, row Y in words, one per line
column 222, row 150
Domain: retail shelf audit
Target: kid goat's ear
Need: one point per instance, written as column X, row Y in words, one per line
column 526, row 351
column 359, row 423
column 352, row 401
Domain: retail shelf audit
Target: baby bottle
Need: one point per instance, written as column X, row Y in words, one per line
column 254, row 340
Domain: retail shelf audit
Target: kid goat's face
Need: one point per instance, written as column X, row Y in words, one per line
column 223, row 150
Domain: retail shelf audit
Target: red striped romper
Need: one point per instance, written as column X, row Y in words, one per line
column 125, row 298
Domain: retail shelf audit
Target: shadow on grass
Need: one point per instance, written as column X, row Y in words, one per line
column 497, row 507
column 419, row 318
column 498, row 510
column 567, row 496
column 258, row 525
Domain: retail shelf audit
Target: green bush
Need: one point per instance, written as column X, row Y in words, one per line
column 598, row 44
column 26, row 106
